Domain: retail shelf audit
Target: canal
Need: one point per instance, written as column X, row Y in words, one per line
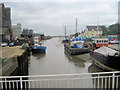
column 56, row 61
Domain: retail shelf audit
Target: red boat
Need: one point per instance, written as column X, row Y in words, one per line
column 98, row 42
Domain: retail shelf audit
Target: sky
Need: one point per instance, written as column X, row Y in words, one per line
column 50, row 16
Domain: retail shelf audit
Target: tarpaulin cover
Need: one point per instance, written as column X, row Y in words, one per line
column 106, row 51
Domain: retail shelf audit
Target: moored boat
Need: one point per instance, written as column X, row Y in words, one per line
column 65, row 41
column 98, row 42
column 38, row 47
column 106, row 58
column 76, row 46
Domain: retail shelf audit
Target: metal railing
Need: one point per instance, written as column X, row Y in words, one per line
column 82, row 80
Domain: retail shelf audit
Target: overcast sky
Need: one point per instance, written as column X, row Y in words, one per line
column 49, row 16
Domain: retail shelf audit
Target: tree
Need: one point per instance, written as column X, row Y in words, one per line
column 105, row 31
column 113, row 29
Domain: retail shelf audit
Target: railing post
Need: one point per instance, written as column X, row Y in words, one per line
column 98, row 81
column 113, row 80
column 68, row 83
column 5, row 83
column 21, row 83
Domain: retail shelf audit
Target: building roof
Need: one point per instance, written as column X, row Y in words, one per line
column 96, row 28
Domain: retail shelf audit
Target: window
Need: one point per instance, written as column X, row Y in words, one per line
column 97, row 41
column 105, row 41
column 102, row 41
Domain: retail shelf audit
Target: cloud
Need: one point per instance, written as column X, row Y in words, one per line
column 60, row 1
column 49, row 17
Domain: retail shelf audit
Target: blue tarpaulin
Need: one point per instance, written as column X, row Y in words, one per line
column 77, row 39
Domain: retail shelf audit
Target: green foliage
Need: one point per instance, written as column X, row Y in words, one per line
column 112, row 29
column 105, row 31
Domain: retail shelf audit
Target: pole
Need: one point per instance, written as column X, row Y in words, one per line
column 76, row 28
column 119, row 27
column 65, row 32
column 97, row 26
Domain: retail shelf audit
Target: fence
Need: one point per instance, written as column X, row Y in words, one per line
column 83, row 80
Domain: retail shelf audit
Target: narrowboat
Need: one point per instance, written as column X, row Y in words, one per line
column 76, row 46
column 106, row 58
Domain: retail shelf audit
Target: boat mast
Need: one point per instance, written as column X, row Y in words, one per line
column 97, row 27
column 119, row 27
column 119, row 37
column 65, row 32
column 76, row 28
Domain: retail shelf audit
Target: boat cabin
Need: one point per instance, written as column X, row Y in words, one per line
column 77, row 43
column 36, row 41
column 98, row 42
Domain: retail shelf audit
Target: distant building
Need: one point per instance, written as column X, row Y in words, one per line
column 5, row 23
column 27, row 33
column 17, row 30
column 92, row 31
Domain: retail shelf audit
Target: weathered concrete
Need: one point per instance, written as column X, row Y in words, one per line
column 8, row 52
column 14, row 60
column 9, row 65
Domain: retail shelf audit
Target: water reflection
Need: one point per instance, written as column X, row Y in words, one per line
column 56, row 61
column 38, row 55
column 93, row 68
column 77, row 61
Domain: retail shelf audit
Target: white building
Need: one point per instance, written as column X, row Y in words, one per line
column 17, row 30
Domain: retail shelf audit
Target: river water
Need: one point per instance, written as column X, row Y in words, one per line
column 56, row 61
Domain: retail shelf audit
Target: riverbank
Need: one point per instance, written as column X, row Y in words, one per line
column 13, row 60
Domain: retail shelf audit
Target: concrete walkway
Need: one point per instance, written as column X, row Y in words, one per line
column 8, row 52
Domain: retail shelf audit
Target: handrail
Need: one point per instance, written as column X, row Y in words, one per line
column 60, row 75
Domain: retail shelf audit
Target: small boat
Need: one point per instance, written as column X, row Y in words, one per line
column 106, row 58
column 65, row 41
column 98, row 42
column 76, row 46
column 38, row 47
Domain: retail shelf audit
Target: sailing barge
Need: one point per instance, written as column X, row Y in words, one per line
column 76, row 46
column 106, row 58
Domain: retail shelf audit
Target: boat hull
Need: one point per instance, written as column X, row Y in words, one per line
column 75, row 51
column 111, row 63
column 65, row 41
column 39, row 49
